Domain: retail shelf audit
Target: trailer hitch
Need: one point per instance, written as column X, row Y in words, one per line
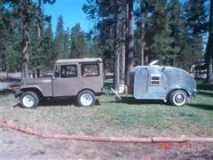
column 117, row 96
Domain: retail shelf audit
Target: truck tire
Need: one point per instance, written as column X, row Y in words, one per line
column 86, row 98
column 29, row 100
column 178, row 98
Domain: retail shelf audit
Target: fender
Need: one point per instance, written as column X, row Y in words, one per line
column 28, row 87
column 189, row 94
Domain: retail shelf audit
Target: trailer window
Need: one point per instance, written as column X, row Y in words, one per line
column 90, row 70
column 155, row 80
column 68, row 71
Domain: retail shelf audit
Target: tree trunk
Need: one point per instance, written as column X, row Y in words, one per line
column 123, row 32
column 130, row 40
column 25, row 50
column 39, row 33
column 209, row 53
column 123, row 62
column 142, row 37
column 116, row 80
column 116, row 70
column 25, row 38
column 209, row 69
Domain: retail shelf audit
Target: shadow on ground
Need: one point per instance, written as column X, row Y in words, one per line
column 205, row 86
column 206, row 93
column 202, row 106
column 132, row 101
column 4, row 93
column 58, row 102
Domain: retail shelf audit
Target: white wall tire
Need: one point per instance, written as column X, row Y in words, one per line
column 178, row 98
column 86, row 98
column 29, row 100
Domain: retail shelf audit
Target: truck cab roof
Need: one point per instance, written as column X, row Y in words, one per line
column 79, row 60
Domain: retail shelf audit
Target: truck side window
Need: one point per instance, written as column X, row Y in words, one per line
column 90, row 70
column 68, row 71
column 155, row 80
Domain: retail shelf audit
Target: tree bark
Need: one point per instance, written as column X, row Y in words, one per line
column 25, row 38
column 123, row 60
column 116, row 80
column 142, row 37
column 130, row 39
column 123, row 32
column 209, row 53
column 25, row 50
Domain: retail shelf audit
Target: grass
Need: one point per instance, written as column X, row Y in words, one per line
column 126, row 118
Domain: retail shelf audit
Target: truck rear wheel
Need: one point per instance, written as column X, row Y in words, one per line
column 86, row 98
column 29, row 100
column 178, row 98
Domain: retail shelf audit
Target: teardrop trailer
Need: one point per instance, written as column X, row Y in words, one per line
column 84, row 79
column 169, row 84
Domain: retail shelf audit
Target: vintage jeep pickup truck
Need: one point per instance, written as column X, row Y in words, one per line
column 82, row 78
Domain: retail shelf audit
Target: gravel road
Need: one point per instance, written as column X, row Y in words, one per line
column 18, row 146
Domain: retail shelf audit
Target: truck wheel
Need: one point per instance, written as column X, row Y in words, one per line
column 178, row 98
column 86, row 98
column 29, row 100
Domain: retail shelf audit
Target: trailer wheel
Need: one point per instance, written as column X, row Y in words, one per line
column 86, row 98
column 178, row 98
column 29, row 100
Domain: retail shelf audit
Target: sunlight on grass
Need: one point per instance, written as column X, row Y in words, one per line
column 125, row 118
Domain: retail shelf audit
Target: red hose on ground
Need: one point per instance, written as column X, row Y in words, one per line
column 32, row 132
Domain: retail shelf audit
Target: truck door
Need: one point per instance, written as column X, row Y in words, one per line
column 67, row 81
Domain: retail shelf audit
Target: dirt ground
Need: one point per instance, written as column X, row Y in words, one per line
column 14, row 145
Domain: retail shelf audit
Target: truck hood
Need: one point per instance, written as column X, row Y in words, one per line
column 33, row 81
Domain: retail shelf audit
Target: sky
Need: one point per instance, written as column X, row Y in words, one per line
column 72, row 13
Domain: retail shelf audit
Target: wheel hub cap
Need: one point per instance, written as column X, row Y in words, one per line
column 28, row 101
column 86, row 99
column 179, row 98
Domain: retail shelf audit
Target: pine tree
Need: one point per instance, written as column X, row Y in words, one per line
column 115, row 31
column 163, row 33
column 60, row 38
column 9, row 41
column 196, row 16
column 78, row 43
column 130, row 38
column 196, row 23
column 67, row 43
column 209, row 52
column 162, row 40
column 48, row 46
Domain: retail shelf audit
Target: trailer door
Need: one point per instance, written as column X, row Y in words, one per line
column 157, row 85
column 141, row 83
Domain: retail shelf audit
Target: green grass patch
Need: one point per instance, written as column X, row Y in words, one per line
column 125, row 118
